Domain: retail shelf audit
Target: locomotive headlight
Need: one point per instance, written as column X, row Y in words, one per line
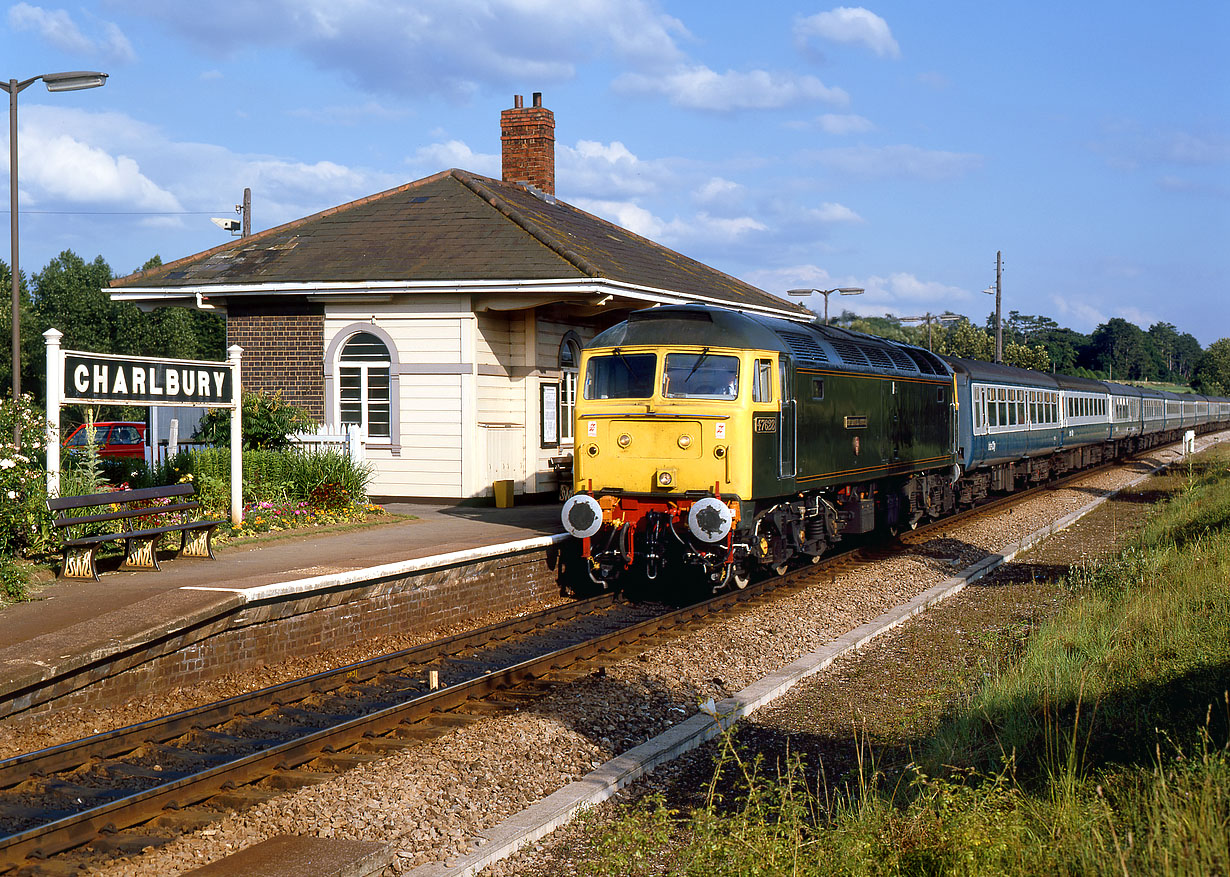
column 719, row 451
column 624, row 440
column 685, row 441
column 665, row 478
column 592, row 450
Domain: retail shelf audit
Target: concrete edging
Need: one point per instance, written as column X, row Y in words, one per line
column 559, row 808
column 297, row 587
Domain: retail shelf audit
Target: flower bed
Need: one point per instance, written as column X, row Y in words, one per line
column 269, row 517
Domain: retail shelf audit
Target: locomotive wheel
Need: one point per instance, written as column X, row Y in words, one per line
column 781, row 568
column 737, row 577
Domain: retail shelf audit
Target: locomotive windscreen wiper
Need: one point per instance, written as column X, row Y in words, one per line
column 704, row 354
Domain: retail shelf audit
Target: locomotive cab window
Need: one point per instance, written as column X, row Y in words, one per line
column 620, row 376
column 817, row 389
column 700, row 376
column 762, row 385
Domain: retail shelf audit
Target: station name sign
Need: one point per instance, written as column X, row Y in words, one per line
column 95, row 378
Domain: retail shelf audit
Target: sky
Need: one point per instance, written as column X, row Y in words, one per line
column 895, row 147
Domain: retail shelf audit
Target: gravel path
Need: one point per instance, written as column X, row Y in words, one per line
column 433, row 797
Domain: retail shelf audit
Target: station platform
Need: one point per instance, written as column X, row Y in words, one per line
column 69, row 621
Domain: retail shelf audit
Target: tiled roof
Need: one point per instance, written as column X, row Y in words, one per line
column 454, row 226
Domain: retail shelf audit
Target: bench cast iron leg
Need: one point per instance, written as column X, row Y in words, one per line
column 79, row 563
column 197, row 543
column 140, row 554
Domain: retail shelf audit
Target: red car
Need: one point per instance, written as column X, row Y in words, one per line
column 114, row 439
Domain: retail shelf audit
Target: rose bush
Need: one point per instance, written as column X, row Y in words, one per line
column 25, row 523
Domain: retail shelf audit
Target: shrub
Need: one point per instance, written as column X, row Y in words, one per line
column 323, row 479
column 25, row 523
column 268, row 422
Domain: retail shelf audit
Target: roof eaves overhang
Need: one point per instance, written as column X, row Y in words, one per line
column 542, row 290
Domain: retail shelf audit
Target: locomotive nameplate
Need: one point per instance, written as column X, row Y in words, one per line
column 858, row 421
column 764, row 424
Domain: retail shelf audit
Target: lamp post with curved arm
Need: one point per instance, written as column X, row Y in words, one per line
column 74, row 81
column 843, row 290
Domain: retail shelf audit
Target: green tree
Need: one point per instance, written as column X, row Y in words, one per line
column 1024, row 356
column 966, row 340
column 1118, row 347
column 1212, row 372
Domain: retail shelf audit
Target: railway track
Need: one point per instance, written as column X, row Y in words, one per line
column 143, row 785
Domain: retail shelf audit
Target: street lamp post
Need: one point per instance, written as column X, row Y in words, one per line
column 929, row 318
column 843, row 290
column 74, row 81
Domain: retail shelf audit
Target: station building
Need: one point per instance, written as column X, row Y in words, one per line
column 445, row 316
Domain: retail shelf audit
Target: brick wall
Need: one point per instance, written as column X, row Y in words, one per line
column 250, row 636
column 283, row 350
column 527, row 136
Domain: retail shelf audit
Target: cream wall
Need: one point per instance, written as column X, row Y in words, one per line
column 467, row 393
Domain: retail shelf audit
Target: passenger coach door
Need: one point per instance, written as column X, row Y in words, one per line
column 787, row 421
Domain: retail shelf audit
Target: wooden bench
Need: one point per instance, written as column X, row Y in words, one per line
column 140, row 543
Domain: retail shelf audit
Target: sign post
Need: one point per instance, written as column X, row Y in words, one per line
column 90, row 378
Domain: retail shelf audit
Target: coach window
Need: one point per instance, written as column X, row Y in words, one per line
column 569, row 366
column 363, row 384
column 762, row 386
column 817, row 389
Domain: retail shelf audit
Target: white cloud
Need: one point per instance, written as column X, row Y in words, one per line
column 910, row 162
column 453, row 153
column 117, row 162
column 841, row 124
column 1182, row 147
column 717, row 190
column 778, row 280
column 1076, row 311
column 677, row 232
column 59, row 29
column 627, row 215
column 832, row 212
column 607, row 171
column 850, row 25
column 908, row 288
column 59, row 169
column 445, row 47
column 698, row 87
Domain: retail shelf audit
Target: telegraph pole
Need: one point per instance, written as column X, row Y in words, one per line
column 999, row 323
column 245, row 210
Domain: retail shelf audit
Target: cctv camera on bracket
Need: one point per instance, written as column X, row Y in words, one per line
column 231, row 225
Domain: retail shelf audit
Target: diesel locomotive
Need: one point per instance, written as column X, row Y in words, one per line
column 727, row 441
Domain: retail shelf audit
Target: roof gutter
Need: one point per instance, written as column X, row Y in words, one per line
column 595, row 286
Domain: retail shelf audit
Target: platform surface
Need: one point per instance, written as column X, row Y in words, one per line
column 80, row 617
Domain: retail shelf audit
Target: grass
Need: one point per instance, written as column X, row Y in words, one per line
column 1101, row 750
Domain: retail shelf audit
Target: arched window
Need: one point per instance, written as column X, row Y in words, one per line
column 363, row 368
column 569, row 365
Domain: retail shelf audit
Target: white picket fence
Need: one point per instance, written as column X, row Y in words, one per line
column 350, row 439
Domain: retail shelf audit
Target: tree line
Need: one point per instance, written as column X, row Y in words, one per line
column 1117, row 350
column 72, row 295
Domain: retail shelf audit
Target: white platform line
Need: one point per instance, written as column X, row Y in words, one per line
column 388, row 570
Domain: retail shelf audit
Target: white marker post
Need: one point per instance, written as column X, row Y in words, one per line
column 55, row 385
column 235, row 354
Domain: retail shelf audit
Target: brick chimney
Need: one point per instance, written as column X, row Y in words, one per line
column 527, row 135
